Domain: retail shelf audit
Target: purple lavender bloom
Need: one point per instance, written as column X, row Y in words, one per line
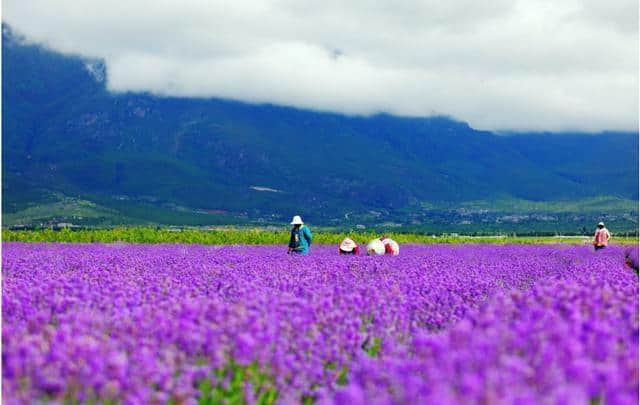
column 439, row 324
column 631, row 256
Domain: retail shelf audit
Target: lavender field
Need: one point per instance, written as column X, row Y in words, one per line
column 137, row 324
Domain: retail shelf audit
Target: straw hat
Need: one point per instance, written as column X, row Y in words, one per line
column 347, row 245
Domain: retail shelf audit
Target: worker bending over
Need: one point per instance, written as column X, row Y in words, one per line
column 348, row 247
column 383, row 245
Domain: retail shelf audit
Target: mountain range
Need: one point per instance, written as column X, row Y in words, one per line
column 73, row 151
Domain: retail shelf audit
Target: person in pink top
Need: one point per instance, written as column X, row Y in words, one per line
column 601, row 237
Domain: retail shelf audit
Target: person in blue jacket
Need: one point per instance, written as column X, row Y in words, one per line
column 300, row 237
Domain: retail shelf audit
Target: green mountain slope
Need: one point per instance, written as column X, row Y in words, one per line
column 209, row 161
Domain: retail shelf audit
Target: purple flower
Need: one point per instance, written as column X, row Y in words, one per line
column 439, row 324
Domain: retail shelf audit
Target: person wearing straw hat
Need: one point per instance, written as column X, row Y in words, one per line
column 348, row 247
column 601, row 237
column 301, row 237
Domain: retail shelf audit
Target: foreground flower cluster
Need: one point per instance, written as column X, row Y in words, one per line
column 446, row 324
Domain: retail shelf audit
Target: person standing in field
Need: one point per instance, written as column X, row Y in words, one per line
column 301, row 237
column 601, row 237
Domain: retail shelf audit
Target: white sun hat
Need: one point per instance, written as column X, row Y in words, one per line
column 601, row 223
column 297, row 220
column 375, row 247
column 347, row 245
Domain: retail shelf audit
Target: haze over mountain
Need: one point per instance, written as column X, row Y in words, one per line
column 500, row 65
column 70, row 144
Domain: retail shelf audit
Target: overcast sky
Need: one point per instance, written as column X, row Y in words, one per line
column 499, row 65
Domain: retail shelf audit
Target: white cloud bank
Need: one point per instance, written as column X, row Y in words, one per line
column 502, row 64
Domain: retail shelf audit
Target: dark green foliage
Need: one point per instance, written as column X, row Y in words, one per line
column 342, row 376
column 375, row 347
column 229, row 387
column 258, row 237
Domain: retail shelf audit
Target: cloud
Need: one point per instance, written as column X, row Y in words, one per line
column 500, row 65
